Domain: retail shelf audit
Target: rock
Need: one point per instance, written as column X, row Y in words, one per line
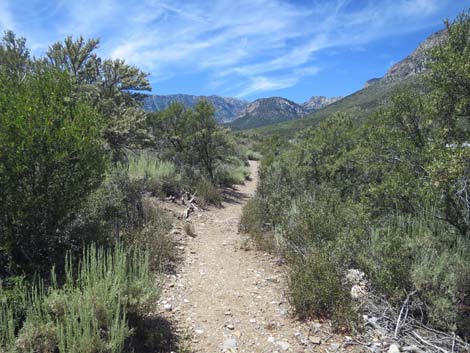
column 253, row 321
column 393, row 348
column 314, row 339
column 230, row 343
column 334, row 347
column 230, row 327
column 199, row 332
column 355, row 276
column 272, row 279
column 167, row 307
column 283, row 344
column 358, row 291
column 271, row 339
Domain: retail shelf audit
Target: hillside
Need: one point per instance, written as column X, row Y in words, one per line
column 226, row 108
column 372, row 97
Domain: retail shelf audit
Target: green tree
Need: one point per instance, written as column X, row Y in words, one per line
column 112, row 87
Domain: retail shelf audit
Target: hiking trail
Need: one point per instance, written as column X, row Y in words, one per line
column 230, row 298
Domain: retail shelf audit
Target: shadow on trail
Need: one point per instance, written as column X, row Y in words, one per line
column 153, row 334
column 233, row 196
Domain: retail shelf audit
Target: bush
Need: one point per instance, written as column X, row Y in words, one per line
column 89, row 313
column 51, row 159
column 234, row 173
column 252, row 222
column 153, row 237
column 253, row 155
column 316, row 290
column 155, row 175
column 208, row 193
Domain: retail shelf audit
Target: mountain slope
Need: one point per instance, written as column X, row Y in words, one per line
column 268, row 111
column 226, row 108
column 373, row 96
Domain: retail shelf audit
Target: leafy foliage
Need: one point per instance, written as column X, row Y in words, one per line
column 389, row 196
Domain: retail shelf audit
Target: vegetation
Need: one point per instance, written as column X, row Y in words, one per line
column 79, row 159
column 387, row 196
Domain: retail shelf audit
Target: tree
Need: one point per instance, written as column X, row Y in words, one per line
column 111, row 87
column 14, row 56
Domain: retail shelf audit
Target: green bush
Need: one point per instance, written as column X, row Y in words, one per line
column 253, row 155
column 51, row 159
column 316, row 290
column 208, row 193
column 153, row 237
column 89, row 312
column 157, row 176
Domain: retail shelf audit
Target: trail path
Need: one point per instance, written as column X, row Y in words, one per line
column 231, row 299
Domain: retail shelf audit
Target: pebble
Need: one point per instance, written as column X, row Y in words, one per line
column 230, row 327
column 230, row 342
column 314, row 339
column 283, row 344
column 271, row 339
column 199, row 332
column 167, row 307
column 393, row 348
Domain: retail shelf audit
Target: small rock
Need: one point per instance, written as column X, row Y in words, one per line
column 230, row 327
column 283, row 344
column 355, row 276
column 393, row 348
column 228, row 313
column 253, row 321
column 272, row 279
column 230, row 343
column 334, row 347
column 314, row 339
column 171, row 285
column 271, row 339
column 167, row 307
column 199, row 332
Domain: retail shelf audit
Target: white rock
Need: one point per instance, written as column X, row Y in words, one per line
column 199, row 332
column 230, row 342
column 393, row 348
column 271, row 339
column 167, row 307
column 355, row 276
column 358, row 291
column 283, row 344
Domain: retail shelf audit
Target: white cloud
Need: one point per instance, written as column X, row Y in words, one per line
column 255, row 45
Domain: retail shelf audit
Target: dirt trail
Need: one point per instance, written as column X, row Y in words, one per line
column 231, row 299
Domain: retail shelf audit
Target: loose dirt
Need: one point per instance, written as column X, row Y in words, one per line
column 232, row 299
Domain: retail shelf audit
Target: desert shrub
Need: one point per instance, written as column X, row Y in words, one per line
column 253, row 155
column 208, row 193
column 316, row 290
column 157, row 176
column 51, row 160
column 153, row 237
column 252, row 221
column 90, row 312
column 231, row 172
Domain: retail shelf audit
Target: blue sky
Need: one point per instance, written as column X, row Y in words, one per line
column 244, row 48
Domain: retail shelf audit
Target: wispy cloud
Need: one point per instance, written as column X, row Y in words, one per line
column 248, row 45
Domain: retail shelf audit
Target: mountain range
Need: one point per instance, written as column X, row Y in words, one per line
column 283, row 116
column 242, row 113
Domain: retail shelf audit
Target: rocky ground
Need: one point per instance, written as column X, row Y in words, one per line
column 228, row 297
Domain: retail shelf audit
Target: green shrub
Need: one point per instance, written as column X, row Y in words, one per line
column 155, row 175
column 316, row 290
column 89, row 313
column 230, row 174
column 253, row 155
column 153, row 237
column 252, row 221
column 208, row 193
column 51, row 159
